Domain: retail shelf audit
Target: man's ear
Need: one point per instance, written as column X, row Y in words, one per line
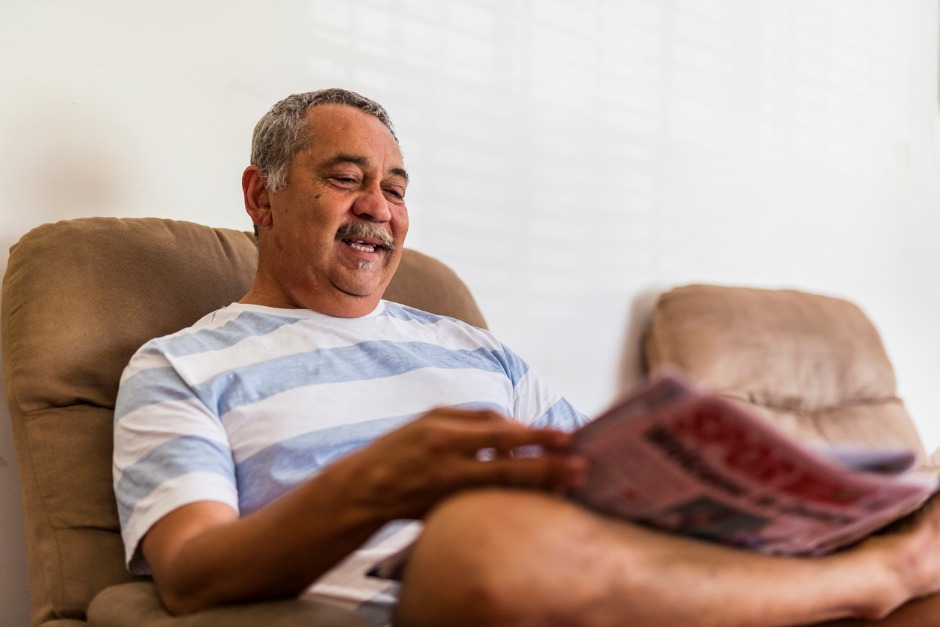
column 257, row 198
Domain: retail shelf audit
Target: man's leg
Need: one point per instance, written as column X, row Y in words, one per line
column 499, row 557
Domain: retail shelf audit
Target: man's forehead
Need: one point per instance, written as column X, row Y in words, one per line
column 344, row 119
column 341, row 133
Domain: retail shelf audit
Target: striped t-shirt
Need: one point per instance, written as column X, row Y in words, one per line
column 251, row 401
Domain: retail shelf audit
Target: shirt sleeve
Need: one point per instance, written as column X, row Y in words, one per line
column 535, row 402
column 169, row 450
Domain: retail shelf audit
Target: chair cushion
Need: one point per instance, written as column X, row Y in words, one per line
column 79, row 297
column 815, row 365
column 137, row 605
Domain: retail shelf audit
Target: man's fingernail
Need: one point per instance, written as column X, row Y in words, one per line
column 576, row 472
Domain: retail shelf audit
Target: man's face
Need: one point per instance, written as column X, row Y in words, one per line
column 336, row 231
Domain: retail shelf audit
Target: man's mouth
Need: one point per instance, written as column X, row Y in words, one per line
column 362, row 246
column 366, row 238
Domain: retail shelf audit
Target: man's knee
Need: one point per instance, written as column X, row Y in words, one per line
column 454, row 575
column 497, row 557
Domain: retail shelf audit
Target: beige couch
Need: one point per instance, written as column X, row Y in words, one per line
column 79, row 297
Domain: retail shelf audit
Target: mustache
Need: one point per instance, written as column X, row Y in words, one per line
column 364, row 230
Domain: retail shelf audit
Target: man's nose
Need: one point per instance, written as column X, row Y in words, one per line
column 372, row 205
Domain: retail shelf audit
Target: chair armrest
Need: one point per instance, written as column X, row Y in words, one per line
column 136, row 605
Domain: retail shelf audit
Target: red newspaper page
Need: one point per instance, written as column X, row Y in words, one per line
column 679, row 458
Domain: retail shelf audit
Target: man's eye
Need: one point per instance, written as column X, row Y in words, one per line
column 345, row 180
column 395, row 194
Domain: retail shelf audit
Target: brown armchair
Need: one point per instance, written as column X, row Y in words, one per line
column 79, row 297
column 814, row 365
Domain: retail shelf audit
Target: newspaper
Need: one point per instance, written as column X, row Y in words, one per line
column 682, row 459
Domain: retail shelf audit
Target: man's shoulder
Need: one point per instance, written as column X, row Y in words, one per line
column 412, row 324
column 420, row 316
column 224, row 326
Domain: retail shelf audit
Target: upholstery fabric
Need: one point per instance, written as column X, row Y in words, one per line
column 137, row 604
column 79, row 297
column 813, row 364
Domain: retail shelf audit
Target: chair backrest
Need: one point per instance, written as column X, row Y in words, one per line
column 79, row 297
column 814, row 365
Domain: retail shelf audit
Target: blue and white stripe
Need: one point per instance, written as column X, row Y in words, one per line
column 250, row 401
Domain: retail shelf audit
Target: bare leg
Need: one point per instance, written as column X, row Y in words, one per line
column 500, row 557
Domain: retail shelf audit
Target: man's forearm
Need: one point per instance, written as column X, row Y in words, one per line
column 203, row 556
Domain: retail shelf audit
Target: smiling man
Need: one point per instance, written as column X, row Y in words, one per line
column 258, row 448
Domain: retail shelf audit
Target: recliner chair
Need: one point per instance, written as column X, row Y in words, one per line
column 79, row 297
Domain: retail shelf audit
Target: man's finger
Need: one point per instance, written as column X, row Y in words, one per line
column 501, row 438
column 547, row 472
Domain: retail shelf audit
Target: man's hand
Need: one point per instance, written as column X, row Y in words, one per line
column 409, row 470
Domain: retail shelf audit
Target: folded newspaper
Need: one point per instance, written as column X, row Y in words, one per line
column 679, row 458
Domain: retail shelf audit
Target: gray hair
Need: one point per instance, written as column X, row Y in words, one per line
column 282, row 132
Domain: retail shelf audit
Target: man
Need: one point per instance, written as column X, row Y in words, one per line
column 257, row 449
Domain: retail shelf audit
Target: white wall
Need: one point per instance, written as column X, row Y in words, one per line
column 568, row 156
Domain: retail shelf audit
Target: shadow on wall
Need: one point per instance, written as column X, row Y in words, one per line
column 14, row 583
column 631, row 370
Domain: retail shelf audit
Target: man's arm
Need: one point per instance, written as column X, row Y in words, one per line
column 203, row 554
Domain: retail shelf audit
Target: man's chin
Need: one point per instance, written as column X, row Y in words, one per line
column 362, row 287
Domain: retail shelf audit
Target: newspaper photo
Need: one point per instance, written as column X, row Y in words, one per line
column 674, row 457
